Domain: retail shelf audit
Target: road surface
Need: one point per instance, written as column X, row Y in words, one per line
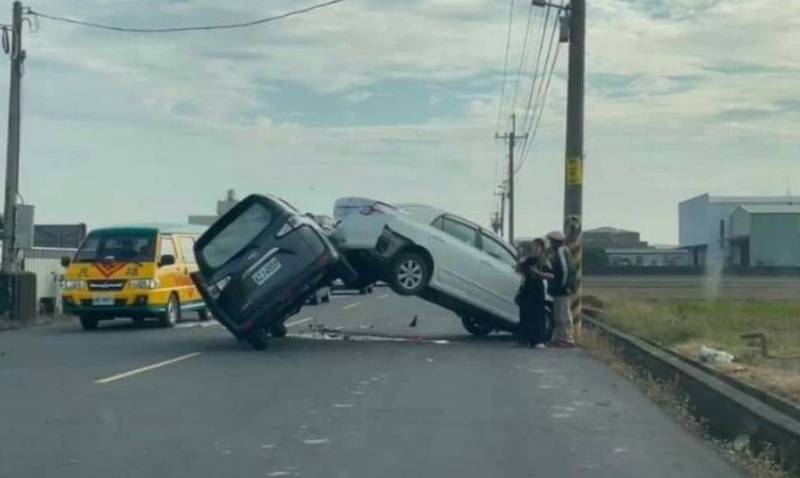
column 424, row 401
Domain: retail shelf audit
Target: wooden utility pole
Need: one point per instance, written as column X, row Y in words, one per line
column 512, row 138
column 10, row 260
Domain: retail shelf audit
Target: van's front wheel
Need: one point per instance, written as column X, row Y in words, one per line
column 172, row 315
column 88, row 323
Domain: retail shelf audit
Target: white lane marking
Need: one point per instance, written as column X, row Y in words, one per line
column 120, row 376
column 383, row 296
column 298, row 322
column 316, row 441
column 351, row 306
column 343, row 405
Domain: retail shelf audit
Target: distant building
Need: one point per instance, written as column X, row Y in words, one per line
column 765, row 235
column 762, row 224
column 612, row 238
column 223, row 206
column 654, row 256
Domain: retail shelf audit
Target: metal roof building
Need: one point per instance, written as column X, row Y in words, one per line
column 706, row 229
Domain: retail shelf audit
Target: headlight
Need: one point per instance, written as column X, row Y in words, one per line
column 142, row 284
column 74, row 284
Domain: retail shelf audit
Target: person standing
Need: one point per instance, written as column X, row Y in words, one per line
column 535, row 270
column 560, row 289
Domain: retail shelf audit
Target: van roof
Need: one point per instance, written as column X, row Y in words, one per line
column 164, row 228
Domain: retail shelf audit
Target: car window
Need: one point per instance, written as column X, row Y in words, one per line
column 167, row 247
column 187, row 249
column 438, row 223
column 495, row 249
column 460, row 231
column 236, row 235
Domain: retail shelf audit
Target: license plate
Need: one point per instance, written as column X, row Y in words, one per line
column 103, row 300
column 266, row 271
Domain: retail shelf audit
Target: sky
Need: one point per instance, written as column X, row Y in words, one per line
column 399, row 101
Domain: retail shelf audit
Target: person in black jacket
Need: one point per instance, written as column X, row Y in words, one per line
column 535, row 270
column 559, row 288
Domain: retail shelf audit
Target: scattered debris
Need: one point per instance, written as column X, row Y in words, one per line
column 714, row 357
column 316, row 441
column 429, row 360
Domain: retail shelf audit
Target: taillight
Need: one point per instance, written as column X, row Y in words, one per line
column 292, row 223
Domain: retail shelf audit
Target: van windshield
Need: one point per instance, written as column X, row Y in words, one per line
column 118, row 247
column 236, row 235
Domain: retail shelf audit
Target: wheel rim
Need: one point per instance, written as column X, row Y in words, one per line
column 172, row 312
column 410, row 274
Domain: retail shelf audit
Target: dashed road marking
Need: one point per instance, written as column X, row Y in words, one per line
column 120, row 376
column 351, row 306
column 383, row 296
column 298, row 322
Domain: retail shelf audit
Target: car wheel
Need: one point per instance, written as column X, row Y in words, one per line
column 173, row 313
column 137, row 321
column 203, row 315
column 258, row 339
column 409, row 273
column 369, row 289
column 475, row 326
column 278, row 331
column 88, row 323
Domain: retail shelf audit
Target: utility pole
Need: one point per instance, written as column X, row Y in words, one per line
column 501, row 220
column 573, row 177
column 10, row 263
column 512, row 138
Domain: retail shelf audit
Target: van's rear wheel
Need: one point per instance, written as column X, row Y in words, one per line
column 258, row 339
column 409, row 273
column 475, row 326
column 173, row 313
column 88, row 323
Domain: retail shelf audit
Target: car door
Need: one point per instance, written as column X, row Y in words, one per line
column 498, row 279
column 456, row 255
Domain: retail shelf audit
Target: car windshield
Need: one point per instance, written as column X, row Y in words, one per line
column 236, row 235
column 117, row 247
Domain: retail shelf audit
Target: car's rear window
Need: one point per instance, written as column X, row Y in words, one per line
column 236, row 235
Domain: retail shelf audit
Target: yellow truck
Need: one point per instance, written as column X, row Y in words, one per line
column 135, row 272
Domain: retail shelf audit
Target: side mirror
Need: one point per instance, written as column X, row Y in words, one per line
column 65, row 261
column 166, row 260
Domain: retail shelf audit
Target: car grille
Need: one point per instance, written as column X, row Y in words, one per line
column 106, row 285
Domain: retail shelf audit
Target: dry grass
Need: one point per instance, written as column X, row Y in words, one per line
column 666, row 396
column 686, row 325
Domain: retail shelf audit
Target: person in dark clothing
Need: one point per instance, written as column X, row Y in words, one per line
column 535, row 270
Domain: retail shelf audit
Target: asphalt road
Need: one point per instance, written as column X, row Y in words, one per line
column 390, row 401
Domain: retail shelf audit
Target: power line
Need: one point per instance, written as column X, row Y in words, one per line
column 522, row 57
column 541, row 95
column 505, row 65
column 536, row 73
column 226, row 26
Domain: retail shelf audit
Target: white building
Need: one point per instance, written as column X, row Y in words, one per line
column 705, row 228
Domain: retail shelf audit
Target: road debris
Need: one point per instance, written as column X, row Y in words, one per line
column 714, row 357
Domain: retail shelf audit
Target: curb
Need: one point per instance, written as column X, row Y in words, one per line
column 729, row 413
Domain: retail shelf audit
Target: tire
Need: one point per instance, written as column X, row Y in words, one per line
column 203, row 315
column 409, row 273
column 475, row 326
column 173, row 313
column 278, row 331
column 88, row 323
column 258, row 339
column 369, row 289
column 138, row 321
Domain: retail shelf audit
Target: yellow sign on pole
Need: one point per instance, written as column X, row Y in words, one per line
column 574, row 171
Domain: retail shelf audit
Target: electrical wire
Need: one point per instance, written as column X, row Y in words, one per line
column 536, row 72
column 226, row 26
column 522, row 58
column 541, row 95
column 505, row 65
